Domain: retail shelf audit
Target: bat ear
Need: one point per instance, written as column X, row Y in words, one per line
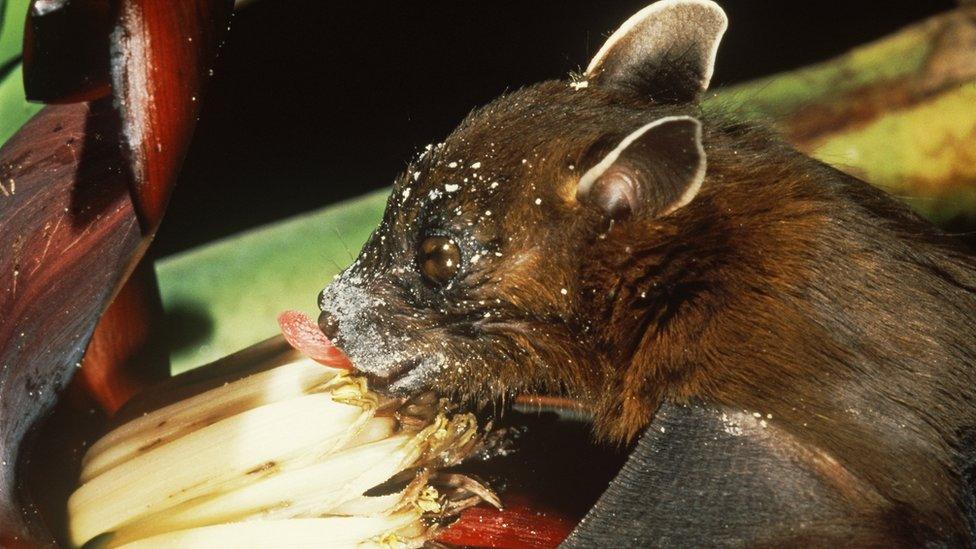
column 652, row 172
column 666, row 51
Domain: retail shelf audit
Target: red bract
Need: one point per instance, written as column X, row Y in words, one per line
column 518, row 526
column 306, row 336
column 88, row 183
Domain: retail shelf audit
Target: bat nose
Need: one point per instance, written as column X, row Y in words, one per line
column 329, row 325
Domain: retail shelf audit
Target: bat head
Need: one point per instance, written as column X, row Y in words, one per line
column 478, row 281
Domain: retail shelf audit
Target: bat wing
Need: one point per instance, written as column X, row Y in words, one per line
column 704, row 476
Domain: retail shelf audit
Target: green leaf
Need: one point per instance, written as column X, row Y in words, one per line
column 897, row 113
column 923, row 155
column 898, row 56
column 227, row 295
column 14, row 108
column 13, row 13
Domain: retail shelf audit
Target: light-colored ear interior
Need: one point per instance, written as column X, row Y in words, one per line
column 681, row 162
column 660, row 36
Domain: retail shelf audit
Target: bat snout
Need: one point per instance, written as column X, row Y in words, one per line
column 329, row 325
column 387, row 347
column 395, row 378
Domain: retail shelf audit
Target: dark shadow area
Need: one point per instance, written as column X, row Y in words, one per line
column 554, row 462
column 963, row 227
column 50, row 469
column 102, row 174
column 186, row 325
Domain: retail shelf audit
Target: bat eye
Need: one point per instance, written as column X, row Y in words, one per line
column 439, row 259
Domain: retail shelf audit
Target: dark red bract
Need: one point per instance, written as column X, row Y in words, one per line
column 519, row 525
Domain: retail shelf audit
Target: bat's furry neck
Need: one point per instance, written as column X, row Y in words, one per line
column 791, row 290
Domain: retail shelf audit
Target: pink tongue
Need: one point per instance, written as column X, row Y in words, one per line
column 305, row 335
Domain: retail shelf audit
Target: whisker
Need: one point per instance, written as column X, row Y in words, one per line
column 343, row 242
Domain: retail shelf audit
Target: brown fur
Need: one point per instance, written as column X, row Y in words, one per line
column 785, row 288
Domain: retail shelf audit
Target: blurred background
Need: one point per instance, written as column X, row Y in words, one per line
column 313, row 102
